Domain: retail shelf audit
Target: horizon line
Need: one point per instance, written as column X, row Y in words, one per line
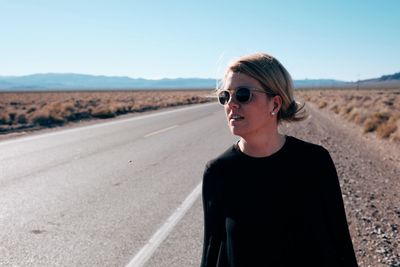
column 172, row 78
column 141, row 78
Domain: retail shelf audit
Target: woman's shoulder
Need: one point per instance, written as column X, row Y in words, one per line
column 229, row 155
column 303, row 147
column 215, row 170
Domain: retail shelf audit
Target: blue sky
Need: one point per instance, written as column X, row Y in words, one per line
column 345, row 40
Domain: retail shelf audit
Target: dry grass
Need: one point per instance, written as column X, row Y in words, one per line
column 35, row 110
column 375, row 110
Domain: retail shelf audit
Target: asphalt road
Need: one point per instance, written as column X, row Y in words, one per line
column 95, row 195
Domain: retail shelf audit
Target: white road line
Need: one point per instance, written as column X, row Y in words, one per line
column 161, row 131
column 150, row 247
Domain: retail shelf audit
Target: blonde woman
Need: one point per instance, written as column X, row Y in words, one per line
column 270, row 199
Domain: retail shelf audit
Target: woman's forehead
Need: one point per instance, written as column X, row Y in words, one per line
column 237, row 79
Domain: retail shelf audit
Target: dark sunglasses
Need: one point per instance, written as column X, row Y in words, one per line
column 242, row 94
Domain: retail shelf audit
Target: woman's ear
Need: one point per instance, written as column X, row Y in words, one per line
column 277, row 102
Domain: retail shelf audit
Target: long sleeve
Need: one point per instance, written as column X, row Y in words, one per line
column 213, row 220
column 334, row 215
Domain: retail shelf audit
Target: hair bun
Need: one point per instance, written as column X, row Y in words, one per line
column 294, row 112
column 290, row 111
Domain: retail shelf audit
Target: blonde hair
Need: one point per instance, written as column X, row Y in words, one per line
column 271, row 74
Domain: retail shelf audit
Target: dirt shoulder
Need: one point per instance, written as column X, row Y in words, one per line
column 369, row 173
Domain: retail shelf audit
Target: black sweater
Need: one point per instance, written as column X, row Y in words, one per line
column 282, row 210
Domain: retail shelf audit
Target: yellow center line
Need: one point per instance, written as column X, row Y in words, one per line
column 161, row 131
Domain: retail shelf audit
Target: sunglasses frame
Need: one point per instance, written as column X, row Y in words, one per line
column 251, row 90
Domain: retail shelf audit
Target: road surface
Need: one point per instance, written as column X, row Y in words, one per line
column 93, row 196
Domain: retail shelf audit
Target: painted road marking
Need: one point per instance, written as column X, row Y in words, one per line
column 158, row 237
column 161, row 131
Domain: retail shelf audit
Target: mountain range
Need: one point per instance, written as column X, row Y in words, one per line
column 72, row 81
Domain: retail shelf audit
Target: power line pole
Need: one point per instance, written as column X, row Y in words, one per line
column 358, row 81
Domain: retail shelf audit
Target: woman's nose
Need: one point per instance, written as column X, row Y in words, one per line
column 232, row 103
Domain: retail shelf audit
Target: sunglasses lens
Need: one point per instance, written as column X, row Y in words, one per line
column 243, row 94
column 223, row 97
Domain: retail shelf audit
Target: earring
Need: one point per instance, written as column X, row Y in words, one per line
column 273, row 113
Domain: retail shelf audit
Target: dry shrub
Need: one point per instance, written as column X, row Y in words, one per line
column 307, row 97
column 92, row 103
column 81, row 115
column 395, row 136
column 358, row 115
column 103, row 112
column 61, row 112
column 354, row 115
column 348, row 98
column 55, row 112
column 3, row 119
column 12, row 118
column 370, row 125
column 21, row 119
column 389, row 102
column 386, row 129
column 119, row 108
column 348, row 109
column 32, row 109
column 144, row 107
column 383, row 116
column 195, row 99
column 66, row 111
column 364, row 101
column 48, row 121
column 68, row 107
column 373, row 122
column 335, row 108
column 322, row 104
column 78, row 104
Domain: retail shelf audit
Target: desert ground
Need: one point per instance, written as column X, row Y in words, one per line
column 374, row 110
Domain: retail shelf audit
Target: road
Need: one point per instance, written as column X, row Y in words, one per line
column 95, row 195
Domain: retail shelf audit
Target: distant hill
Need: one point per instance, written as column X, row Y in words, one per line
column 388, row 81
column 385, row 81
column 317, row 83
column 385, row 78
column 395, row 76
column 73, row 81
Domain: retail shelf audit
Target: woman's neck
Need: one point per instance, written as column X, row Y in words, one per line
column 262, row 146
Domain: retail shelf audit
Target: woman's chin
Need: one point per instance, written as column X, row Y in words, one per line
column 236, row 130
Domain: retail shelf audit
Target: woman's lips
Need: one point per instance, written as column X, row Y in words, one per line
column 235, row 118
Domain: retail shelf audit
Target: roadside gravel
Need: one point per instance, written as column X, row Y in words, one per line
column 369, row 173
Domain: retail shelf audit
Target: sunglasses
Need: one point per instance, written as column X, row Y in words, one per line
column 242, row 94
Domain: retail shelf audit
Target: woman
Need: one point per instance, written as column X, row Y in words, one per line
column 270, row 199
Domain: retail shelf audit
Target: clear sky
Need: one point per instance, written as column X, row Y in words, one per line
column 345, row 40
